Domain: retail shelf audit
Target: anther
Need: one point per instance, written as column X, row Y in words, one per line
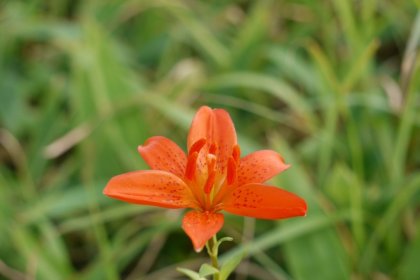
column 210, row 182
column 191, row 165
column 196, row 147
column 236, row 153
column 211, row 171
column 231, row 171
column 213, row 149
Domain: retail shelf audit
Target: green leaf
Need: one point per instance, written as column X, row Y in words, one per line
column 229, row 266
column 327, row 254
column 269, row 84
column 409, row 267
column 223, row 239
column 190, row 273
column 207, row 270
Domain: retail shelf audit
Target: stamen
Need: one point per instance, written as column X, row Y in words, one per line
column 210, row 182
column 211, row 171
column 231, row 171
column 236, row 153
column 196, row 147
column 191, row 165
column 213, row 149
column 211, row 162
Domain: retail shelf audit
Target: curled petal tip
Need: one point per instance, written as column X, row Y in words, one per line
column 107, row 191
column 301, row 212
column 198, row 250
column 304, row 209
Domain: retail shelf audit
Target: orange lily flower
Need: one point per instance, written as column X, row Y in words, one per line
column 212, row 177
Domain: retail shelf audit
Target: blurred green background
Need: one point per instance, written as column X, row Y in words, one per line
column 334, row 86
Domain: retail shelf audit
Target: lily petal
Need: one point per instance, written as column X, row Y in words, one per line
column 201, row 226
column 217, row 128
column 264, row 202
column 260, row 166
column 225, row 137
column 161, row 153
column 201, row 126
column 150, row 187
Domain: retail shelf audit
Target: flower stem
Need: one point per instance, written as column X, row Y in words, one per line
column 212, row 250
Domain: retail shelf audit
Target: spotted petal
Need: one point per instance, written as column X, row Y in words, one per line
column 151, row 187
column 201, row 226
column 264, row 202
column 161, row 153
column 260, row 166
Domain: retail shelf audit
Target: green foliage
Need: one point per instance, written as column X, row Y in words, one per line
column 332, row 85
column 229, row 266
column 218, row 272
column 191, row 274
column 207, row 270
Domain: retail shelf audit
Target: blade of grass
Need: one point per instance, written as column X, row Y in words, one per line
column 411, row 85
column 328, row 254
column 275, row 87
column 401, row 200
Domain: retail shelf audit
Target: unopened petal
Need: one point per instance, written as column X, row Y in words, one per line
column 225, row 138
column 217, row 128
column 264, row 202
column 201, row 126
column 150, row 187
column 161, row 153
column 201, row 226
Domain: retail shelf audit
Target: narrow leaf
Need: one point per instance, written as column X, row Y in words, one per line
column 191, row 274
column 229, row 266
column 207, row 270
column 223, row 239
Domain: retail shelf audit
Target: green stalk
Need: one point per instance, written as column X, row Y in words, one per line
column 213, row 250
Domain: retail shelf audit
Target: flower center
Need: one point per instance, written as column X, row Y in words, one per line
column 205, row 176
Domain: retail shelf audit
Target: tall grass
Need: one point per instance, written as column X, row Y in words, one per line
column 334, row 86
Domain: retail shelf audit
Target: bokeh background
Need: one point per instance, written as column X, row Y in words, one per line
column 332, row 85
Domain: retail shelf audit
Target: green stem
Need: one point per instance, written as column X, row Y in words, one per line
column 212, row 250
